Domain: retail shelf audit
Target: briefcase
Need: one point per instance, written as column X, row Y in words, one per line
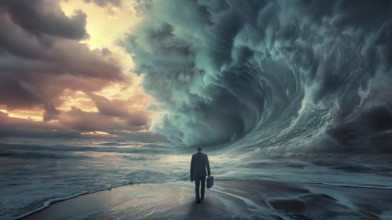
column 210, row 181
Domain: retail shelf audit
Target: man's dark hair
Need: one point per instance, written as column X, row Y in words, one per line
column 199, row 149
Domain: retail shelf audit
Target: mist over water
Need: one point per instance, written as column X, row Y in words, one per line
column 281, row 76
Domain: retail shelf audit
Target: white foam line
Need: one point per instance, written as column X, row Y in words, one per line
column 249, row 203
column 49, row 202
column 254, row 206
column 353, row 185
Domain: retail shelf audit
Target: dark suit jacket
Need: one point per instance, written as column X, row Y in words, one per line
column 199, row 165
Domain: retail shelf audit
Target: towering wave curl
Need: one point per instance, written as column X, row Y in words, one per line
column 288, row 74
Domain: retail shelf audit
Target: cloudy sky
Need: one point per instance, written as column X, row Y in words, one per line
column 198, row 72
column 62, row 73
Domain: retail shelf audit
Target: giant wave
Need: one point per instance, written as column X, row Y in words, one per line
column 279, row 75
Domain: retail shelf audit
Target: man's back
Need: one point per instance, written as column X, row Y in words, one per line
column 199, row 164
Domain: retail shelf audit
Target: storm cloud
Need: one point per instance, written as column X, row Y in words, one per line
column 104, row 3
column 44, row 18
column 223, row 70
column 41, row 57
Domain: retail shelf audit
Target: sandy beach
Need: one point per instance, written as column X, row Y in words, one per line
column 226, row 200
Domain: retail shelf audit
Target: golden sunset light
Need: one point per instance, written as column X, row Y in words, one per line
column 97, row 133
column 106, row 26
column 30, row 114
column 76, row 99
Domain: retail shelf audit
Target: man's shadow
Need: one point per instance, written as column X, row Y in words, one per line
column 200, row 211
column 209, row 208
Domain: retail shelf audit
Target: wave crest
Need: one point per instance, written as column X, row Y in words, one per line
column 280, row 73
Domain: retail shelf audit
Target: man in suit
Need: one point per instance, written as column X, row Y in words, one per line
column 200, row 167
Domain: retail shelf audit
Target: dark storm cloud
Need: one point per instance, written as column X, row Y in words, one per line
column 36, row 81
column 34, row 72
column 223, row 68
column 80, row 120
column 104, row 3
column 45, row 17
column 72, row 123
column 121, row 110
column 40, row 58
column 13, row 127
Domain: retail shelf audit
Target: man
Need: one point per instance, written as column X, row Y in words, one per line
column 199, row 165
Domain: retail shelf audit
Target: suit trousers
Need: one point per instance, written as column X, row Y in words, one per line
column 200, row 182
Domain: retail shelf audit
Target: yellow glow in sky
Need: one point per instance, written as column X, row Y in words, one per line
column 97, row 133
column 76, row 99
column 31, row 114
column 106, row 26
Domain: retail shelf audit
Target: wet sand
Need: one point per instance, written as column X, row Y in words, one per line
column 249, row 199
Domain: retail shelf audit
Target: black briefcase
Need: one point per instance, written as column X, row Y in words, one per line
column 210, row 181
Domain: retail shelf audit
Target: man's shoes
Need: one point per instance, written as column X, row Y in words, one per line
column 198, row 201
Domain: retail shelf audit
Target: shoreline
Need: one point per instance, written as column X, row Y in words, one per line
column 243, row 199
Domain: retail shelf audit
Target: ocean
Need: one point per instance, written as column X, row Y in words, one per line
column 36, row 173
